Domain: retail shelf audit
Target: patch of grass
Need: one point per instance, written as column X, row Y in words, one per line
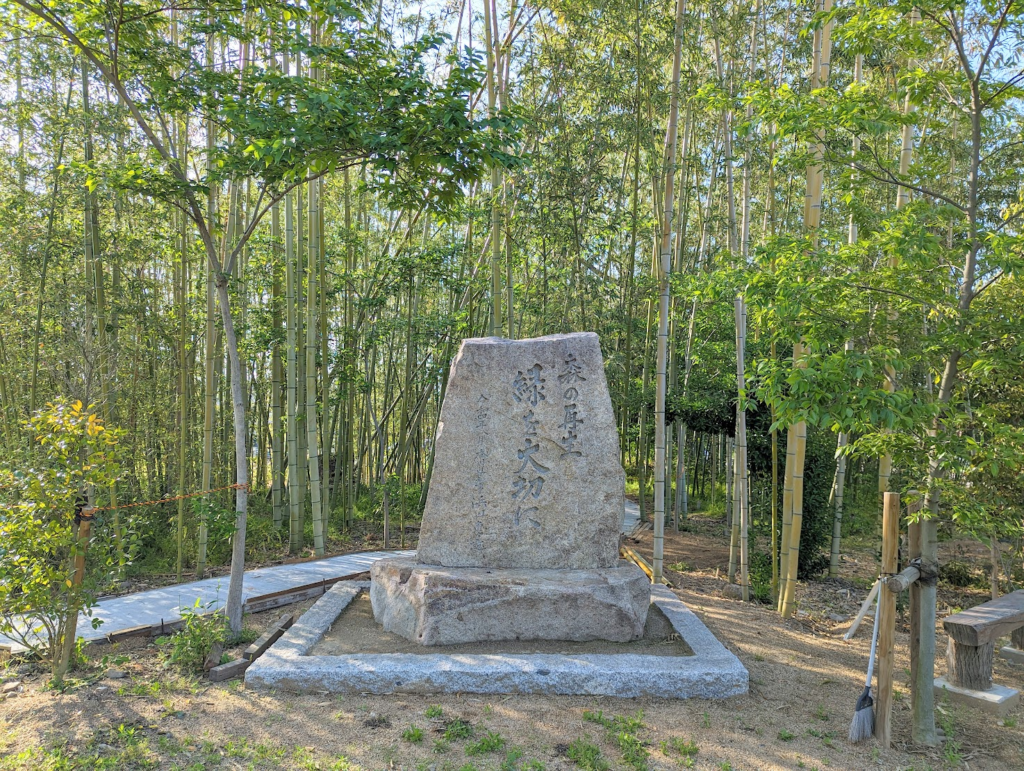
column 533, row 765
column 587, row 755
column 237, row 749
column 434, row 711
column 413, row 735
column 1009, row 722
column 511, row 761
column 786, row 735
column 634, row 753
column 679, row 567
column 623, row 731
column 457, row 729
column 246, row 636
column 492, row 742
column 599, row 718
column 821, row 713
column 441, row 746
column 682, row 747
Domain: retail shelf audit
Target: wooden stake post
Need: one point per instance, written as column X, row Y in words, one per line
column 887, row 620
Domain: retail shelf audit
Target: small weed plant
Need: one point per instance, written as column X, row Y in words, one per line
column 684, row 748
column 587, row 755
column 624, row 731
column 457, row 729
column 511, row 761
column 188, row 648
column 413, row 735
column 492, row 742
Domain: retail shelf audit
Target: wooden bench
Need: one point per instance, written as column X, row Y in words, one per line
column 972, row 639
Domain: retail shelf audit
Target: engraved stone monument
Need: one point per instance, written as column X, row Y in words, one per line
column 520, row 532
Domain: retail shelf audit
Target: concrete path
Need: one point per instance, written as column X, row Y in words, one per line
column 164, row 604
column 631, row 516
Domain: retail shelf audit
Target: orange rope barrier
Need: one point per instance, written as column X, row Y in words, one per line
column 169, row 500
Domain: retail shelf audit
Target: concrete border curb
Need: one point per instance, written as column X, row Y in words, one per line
column 711, row 673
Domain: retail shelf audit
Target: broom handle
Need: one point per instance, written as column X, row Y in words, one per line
column 874, row 645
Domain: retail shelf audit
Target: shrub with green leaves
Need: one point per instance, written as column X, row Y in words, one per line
column 189, row 646
column 72, row 453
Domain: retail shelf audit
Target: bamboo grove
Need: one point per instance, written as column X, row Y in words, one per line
column 254, row 235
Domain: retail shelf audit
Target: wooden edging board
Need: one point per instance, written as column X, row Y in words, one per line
column 253, row 652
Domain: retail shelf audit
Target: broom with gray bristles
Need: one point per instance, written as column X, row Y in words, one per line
column 863, row 723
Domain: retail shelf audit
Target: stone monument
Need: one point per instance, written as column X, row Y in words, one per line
column 520, row 534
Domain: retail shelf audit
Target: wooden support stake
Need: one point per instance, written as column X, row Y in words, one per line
column 887, row 621
column 902, row 581
column 1017, row 638
column 863, row 611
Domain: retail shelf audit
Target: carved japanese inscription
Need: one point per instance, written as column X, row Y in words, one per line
column 526, row 468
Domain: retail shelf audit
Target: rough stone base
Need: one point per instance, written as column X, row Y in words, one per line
column 712, row 672
column 446, row 606
column 997, row 700
column 1012, row 655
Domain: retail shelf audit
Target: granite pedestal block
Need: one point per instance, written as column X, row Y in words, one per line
column 445, row 606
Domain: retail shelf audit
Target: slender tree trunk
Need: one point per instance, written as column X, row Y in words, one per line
column 665, row 262
column 295, row 483
column 37, row 329
column 209, row 371
column 312, row 297
column 276, row 372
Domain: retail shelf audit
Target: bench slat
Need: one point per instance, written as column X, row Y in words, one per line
column 987, row 622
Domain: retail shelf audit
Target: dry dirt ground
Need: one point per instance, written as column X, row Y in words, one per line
column 804, row 683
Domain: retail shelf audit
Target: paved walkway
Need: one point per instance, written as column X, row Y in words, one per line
column 631, row 517
column 156, row 605
column 164, row 604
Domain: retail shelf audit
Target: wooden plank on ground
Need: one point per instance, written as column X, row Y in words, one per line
column 273, row 600
column 987, row 622
column 228, row 671
column 634, row 557
column 268, row 638
column 166, row 627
